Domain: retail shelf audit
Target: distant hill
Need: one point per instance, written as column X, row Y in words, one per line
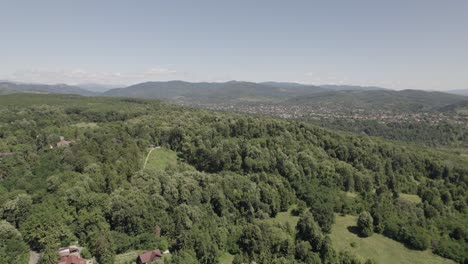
column 344, row 97
column 460, row 108
column 6, row 90
column 350, row 87
column 227, row 92
column 463, row 92
column 325, row 87
column 292, row 85
column 335, row 96
column 10, row 87
column 406, row 100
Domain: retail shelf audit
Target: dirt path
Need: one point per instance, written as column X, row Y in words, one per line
column 147, row 156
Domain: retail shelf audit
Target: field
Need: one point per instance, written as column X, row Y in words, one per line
column 127, row 258
column 351, row 194
column 160, row 158
column 377, row 247
column 226, row 258
column 283, row 218
column 86, row 125
column 411, row 197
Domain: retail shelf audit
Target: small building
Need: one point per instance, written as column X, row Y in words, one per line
column 71, row 255
column 149, row 257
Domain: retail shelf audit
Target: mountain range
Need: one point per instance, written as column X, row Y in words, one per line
column 11, row 87
column 238, row 92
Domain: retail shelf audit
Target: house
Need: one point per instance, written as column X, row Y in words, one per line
column 72, row 259
column 149, row 256
column 71, row 255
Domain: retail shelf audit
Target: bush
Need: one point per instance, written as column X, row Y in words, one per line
column 122, row 242
column 365, row 224
column 85, row 253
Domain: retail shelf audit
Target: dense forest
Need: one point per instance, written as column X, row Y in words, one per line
column 234, row 172
column 423, row 133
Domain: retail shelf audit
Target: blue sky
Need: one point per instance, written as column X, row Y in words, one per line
column 419, row 44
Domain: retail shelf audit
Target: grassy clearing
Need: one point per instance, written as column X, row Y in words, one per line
column 226, row 258
column 283, row 218
column 411, row 197
column 381, row 249
column 86, row 125
column 350, row 194
column 160, row 158
column 126, row 258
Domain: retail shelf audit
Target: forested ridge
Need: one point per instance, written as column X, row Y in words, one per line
column 434, row 135
column 234, row 171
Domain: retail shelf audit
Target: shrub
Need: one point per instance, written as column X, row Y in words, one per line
column 365, row 224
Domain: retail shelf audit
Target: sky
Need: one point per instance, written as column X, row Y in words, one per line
column 399, row 44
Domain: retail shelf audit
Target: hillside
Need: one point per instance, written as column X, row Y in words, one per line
column 235, row 92
column 218, row 188
column 6, row 90
column 377, row 247
column 406, row 100
column 351, row 87
column 228, row 92
column 331, row 96
column 10, row 87
column 463, row 92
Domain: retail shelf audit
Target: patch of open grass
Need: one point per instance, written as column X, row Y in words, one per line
column 160, row 158
column 350, row 194
column 283, row 218
column 226, row 258
column 381, row 249
column 86, row 125
column 411, row 197
column 127, row 258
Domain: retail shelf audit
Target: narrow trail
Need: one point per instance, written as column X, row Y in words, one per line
column 147, row 156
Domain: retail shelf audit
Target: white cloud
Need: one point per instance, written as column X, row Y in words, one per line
column 78, row 76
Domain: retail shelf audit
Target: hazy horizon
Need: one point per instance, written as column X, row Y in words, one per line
column 101, row 87
column 396, row 45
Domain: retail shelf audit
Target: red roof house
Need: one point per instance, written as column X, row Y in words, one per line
column 149, row 256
